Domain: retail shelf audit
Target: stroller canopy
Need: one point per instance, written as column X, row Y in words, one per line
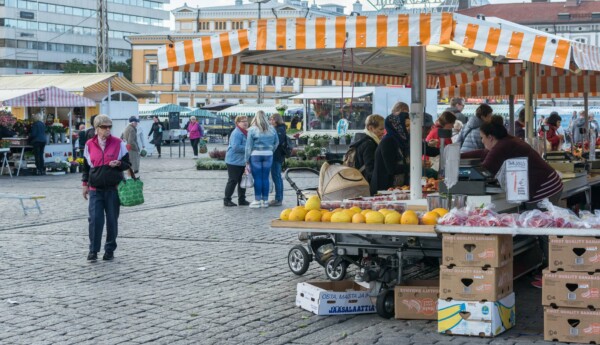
column 338, row 182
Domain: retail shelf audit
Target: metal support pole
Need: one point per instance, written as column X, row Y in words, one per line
column 528, row 102
column 511, row 114
column 587, row 124
column 418, row 57
column 108, row 100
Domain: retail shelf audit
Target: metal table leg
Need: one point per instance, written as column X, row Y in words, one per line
column 5, row 164
column 21, row 160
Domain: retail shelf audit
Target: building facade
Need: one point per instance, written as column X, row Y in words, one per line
column 198, row 89
column 40, row 36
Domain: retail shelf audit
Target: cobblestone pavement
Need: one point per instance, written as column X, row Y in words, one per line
column 187, row 271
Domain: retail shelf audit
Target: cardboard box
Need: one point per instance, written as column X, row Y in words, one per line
column 334, row 298
column 475, row 284
column 477, row 250
column 571, row 289
column 484, row 319
column 417, row 300
column 572, row 325
column 574, row 253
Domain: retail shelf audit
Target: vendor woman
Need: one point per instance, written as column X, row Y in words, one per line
column 544, row 182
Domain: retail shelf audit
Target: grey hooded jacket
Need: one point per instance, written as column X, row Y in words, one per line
column 469, row 136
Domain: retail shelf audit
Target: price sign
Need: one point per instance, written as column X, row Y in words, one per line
column 517, row 180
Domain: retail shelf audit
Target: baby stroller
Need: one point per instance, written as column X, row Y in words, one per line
column 335, row 182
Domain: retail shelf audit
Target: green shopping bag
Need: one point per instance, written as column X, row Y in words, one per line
column 131, row 191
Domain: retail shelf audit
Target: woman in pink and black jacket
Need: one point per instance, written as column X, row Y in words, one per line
column 106, row 158
column 195, row 133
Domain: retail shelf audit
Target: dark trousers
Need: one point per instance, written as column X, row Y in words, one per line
column 104, row 205
column 235, row 173
column 194, row 143
column 38, row 154
column 157, row 143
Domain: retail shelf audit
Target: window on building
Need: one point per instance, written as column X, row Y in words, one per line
column 186, row 78
column 153, row 76
column 202, row 78
column 270, row 80
column 287, row 81
column 252, row 80
column 235, row 79
column 218, row 79
column 581, row 40
column 326, row 82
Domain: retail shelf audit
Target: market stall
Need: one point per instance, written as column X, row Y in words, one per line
column 57, row 108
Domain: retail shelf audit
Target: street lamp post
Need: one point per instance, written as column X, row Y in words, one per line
column 259, row 77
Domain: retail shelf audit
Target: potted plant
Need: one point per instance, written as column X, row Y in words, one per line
column 301, row 154
column 336, row 139
column 59, row 131
column 348, row 138
column 281, row 108
column 4, row 144
column 303, row 139
column 79, row 164
column 73, row 167
column 325, row 139
column 314, row 140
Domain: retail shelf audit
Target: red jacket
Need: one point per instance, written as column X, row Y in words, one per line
column 433, row 134
column 552, row 137
column 97, row 174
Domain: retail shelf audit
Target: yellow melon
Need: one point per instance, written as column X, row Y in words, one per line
column 409, row 217
column 297, row 214
column 341, row 217
column 430, row 218
column 356, row 209
column 358, row 218
column 385, row 211
column 374, row 218
column 285, row 214
column 364, row 212
column 393, row 218
column 313, row 203
column 313, row 216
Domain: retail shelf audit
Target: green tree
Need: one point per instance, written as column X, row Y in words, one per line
column 78, row 66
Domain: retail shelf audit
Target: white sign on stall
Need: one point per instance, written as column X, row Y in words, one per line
column 517, row 180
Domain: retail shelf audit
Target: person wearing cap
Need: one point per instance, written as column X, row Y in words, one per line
column 130, row 137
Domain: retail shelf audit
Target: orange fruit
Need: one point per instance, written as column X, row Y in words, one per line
column 430, row 218
column 326, row 216
column 409, row 217
column 358, row 218
column 441, row 211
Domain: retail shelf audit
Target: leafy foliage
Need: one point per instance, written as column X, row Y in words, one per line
column 79, row 66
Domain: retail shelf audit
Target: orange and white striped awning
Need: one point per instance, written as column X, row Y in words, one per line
column 265, row 45
column 563, row 86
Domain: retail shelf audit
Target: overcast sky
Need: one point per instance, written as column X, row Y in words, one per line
column 347, row 3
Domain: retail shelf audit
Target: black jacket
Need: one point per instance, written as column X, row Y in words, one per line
column 279, row 154
column 365, row 156
column 389, row 162
column 158, row 134
column 6, row 133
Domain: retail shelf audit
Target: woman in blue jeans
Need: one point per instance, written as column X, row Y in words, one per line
column 260, row 144
column 278, row 158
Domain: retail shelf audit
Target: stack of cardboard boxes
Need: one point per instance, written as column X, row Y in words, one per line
column 571, row 290
column 476, row 285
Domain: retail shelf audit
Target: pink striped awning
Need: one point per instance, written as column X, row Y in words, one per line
column 46, row 97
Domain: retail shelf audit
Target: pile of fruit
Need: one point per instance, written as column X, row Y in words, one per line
column 312, row 212
column 554, row 217
column 429, row 185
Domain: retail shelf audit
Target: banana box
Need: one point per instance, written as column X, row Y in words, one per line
column 476, row 284
column 334, row 298
column 573, row 325
column 484, row 319
column 416, row 300
column 477, row 250
column 571, row 289
column 573, row 253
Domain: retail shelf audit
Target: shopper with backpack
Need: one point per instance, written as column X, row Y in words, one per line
column 391, row 163
column 361, row 154
column 278, row 158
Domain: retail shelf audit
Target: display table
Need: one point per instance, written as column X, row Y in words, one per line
column 22, row 148
column 356, row 228
column 5, row 161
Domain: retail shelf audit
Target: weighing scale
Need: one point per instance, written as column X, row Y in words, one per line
column 473, row 179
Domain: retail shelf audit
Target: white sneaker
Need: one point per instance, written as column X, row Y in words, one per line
column 255, row 204
column 195, row 157
column 265, row 203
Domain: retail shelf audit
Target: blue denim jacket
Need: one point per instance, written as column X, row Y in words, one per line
column 236, row 149
column 261, row 141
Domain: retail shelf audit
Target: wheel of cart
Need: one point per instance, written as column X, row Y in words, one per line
column 319, row 248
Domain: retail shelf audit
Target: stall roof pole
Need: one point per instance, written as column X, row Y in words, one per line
column 108, row 100
column 587, row 124
column 511, row 114
column 418, row 61
column 528, row 102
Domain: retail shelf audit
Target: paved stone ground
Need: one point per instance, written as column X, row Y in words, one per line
column 187, row 271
